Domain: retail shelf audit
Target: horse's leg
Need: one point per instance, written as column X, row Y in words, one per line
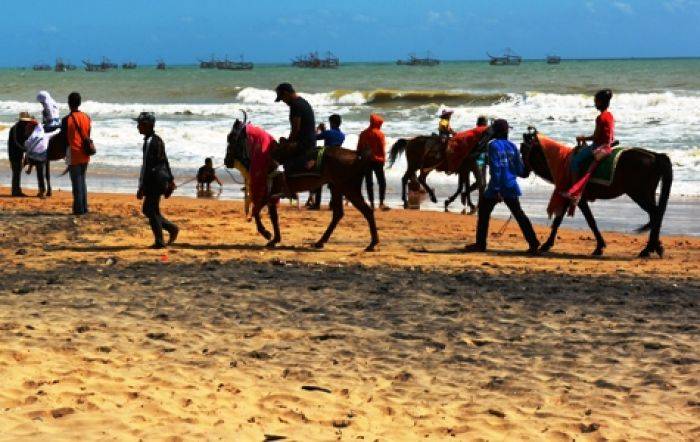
column 422, row 180
column 261, row 228
column 354, row 195
column 478, row 184
column 336, row 206
column 450, row 200
column 552, row 234
column 648, row 204
column 404, row 185
column 48, row 178
column 274, row 217
column 586, row 211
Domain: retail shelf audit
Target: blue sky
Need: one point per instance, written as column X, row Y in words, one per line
column 181, row 31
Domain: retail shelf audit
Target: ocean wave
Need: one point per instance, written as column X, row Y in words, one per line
column 379, row 97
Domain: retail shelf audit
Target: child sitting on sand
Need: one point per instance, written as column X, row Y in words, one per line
column 206, row 175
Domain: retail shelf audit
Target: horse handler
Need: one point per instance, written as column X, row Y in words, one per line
column 505, row 166
column 155, row 180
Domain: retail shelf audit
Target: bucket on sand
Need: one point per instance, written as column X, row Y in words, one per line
column 414, row 195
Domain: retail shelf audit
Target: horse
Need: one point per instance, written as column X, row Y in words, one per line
column 342, row 169
column 637, row 175
column 425, row 153
column 56, row 151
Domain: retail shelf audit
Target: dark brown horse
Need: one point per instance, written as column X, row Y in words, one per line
column 56, row 150
column 342, row 169
column 637, row 175
column 426, row 153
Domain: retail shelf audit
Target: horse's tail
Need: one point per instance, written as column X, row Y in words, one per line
column 665, row 169
column 397, row 149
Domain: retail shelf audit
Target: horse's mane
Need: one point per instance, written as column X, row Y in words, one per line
column 549, row 144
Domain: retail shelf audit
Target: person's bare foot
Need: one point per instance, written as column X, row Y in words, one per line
column 173, row 236
column 383, row 207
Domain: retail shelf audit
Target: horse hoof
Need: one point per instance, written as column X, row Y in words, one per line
column 267, row 235
column 272, row 243
column 644, row 253
column 472, row 211
column 433, row 200
column 371, row 247
column 318, row 245
column 544, row 248
column 597, row 252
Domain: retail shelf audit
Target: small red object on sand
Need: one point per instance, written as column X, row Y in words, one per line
column 164, row 258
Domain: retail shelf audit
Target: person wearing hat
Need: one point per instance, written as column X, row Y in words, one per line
column 15, row 151
column 303, row 128
column 505, row 166
column 155, row 180
column 444, row 128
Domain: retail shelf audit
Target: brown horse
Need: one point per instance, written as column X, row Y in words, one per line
column 426, row 153
column 342, row 169
column 637, row 175
column 56, row 150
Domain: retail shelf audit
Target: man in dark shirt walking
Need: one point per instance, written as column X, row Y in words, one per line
column 303, row 128
column 155, row 180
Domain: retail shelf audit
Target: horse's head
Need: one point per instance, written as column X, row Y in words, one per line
column 533, row 155
column 236, row 148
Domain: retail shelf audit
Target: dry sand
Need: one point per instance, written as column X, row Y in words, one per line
column 102, row 339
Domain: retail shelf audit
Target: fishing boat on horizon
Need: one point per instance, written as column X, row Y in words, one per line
column 553, row 59
column 212, row 63
column 509, row 58
column 415, row 61
column 41, row 67
column 312, row 60
column 62, row 66
column 160, row 65
column 229, row 65
column 129, row 65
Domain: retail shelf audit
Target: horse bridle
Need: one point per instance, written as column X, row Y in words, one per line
column 530, row 137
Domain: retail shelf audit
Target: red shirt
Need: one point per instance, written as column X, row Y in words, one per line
column 604, row 129
column 373, row 138
column 75, row 141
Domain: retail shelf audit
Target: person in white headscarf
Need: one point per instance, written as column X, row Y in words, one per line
column 51, row 119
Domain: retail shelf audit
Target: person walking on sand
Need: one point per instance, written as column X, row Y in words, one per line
column 15, row 152
column 372, row 139
column 155, row 180
column 77, row 127
column 505, row 166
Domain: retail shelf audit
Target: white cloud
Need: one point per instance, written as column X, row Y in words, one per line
column 446, row 17
column 678, row 5
column 625, row 8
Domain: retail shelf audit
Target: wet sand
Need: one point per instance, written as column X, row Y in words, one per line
column 220, row 338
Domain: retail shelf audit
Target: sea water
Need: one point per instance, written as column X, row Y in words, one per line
column 656, row 105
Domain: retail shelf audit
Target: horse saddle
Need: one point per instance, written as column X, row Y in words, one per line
column 605, row 172
column 296, row 166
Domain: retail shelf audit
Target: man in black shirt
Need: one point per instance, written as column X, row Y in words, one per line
column 303, row 127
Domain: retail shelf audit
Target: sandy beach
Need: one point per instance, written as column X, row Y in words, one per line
column 219, row 338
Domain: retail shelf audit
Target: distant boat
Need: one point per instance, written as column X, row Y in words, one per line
column 509, row 58
column 415, row 61
column 129, row 65
column 553, row 59
column 61, row 66
column 41, row 67
column 103, row 66
column 161, row 65
column 211, row 64
column 314, row 61
column 234, row 65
